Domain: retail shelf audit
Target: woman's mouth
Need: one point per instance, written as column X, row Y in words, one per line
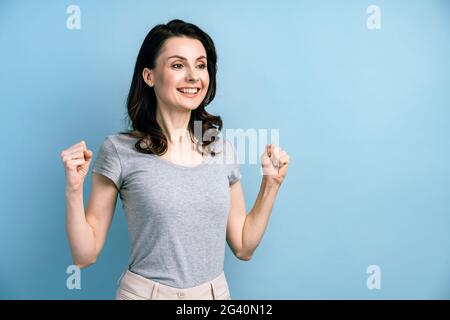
column 189, row 91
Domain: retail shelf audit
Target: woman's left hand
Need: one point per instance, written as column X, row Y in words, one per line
column 274, row 162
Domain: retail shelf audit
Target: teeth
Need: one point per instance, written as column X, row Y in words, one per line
column 190, row 91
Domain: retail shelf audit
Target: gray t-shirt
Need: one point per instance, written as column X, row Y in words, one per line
column 176, row 215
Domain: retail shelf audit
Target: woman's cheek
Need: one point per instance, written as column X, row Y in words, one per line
column 170, row 80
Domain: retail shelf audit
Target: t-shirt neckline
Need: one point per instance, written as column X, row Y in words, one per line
column 179, row 166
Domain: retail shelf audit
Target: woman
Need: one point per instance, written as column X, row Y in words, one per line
column 179, row 186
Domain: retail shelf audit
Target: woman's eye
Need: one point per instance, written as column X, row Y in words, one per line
column 179, row 65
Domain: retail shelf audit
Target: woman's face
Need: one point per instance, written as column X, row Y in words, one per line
column 180, row 77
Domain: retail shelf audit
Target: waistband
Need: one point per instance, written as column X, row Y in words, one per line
column 148, row 288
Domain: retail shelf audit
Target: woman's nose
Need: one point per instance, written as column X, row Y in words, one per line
column 193, row 76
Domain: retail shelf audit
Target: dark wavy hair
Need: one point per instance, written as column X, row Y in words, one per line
column 141, row 101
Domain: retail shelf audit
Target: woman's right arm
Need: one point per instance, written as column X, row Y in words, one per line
column 86, row 229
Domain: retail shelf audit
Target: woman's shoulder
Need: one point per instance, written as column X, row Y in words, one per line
column 122, row 136
column 121, row 141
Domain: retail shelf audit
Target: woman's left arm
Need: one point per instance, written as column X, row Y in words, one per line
column 244, row 232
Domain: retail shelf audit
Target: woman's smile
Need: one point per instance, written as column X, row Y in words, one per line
column 189, row 92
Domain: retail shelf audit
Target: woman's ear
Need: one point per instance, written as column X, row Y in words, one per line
column 147, row 75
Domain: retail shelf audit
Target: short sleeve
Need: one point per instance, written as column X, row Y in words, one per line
column 107, row 163
column 233, row 168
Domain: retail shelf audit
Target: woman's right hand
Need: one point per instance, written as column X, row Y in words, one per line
column 76, row 159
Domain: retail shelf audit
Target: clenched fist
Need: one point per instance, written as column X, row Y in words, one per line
column 274, row 162
column 76, row 159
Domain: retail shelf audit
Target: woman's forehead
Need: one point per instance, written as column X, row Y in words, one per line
column 189, row 48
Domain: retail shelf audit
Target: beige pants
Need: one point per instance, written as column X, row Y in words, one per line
column 132, row 286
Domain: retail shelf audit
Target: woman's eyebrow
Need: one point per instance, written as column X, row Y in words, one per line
column 183, row 58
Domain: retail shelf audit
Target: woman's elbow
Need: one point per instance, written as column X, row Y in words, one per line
column 243, row 257
column 84, row 264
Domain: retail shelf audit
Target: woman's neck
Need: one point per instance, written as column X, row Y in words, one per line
column 174, row 124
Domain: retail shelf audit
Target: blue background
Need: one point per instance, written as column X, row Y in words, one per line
column 364, row 115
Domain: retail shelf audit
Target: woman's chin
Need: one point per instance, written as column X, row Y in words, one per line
column 189, row 106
